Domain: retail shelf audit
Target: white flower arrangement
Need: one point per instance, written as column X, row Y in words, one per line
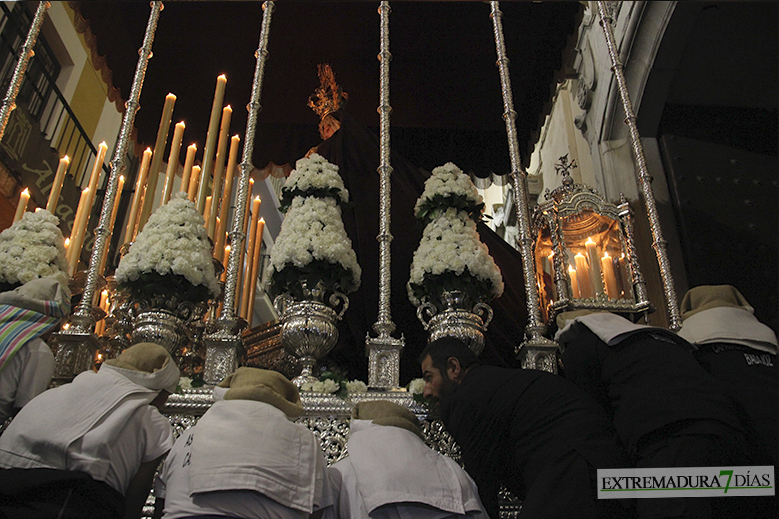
column 313, row 244
column 32, row 248
column 451, row 256
column 331, row 385
column 314, row 176
column 174, row 241
column 416, row 386
column 448, row 187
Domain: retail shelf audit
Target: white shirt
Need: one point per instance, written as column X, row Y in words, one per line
column 172, row 485
column 25, row 376
column 391, row 474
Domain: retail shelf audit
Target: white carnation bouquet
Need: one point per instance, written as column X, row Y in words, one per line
column 334, row 383
column 451, row 255
column 171, row 255
column 312, row 245
column 313, row 176
column 32, row 248
column 449, row 187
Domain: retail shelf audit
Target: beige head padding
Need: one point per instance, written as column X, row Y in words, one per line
column 706, row 297
column 262, row 385
column 383, row 412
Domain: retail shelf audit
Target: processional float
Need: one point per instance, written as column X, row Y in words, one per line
column 550, row 247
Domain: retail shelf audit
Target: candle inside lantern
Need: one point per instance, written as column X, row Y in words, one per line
column 624, row 276
column 583, row 273
column 226, row 257
column 609, row 276
column 594, row 261
column 56, row 186
column 21, row 207
column 575, row 293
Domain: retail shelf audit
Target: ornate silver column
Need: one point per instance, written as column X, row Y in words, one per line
column 77, row 342
column 223, row 342
column 536, row 352
column 26, row 53
column 644, row 180
column 384, row 351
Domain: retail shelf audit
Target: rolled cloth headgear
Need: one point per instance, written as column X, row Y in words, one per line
column 720, row 313
column 28, row 312
column 706, row 297
column 148, row 365
column 383, row 412
column 263, row 385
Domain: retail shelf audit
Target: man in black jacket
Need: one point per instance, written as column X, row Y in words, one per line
column 534, row 432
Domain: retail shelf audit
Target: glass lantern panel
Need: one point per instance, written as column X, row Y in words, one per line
column 545, row 279
column 595, row 256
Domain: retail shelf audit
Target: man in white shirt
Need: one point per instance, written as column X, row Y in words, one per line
column 391, row 473
column 27, row 314
column 245, row 458
column 90, row 448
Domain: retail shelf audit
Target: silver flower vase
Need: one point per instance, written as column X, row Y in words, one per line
column 166, row 321
column 456, row 315
column 309, row 326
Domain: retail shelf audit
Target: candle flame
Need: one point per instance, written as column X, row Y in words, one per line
column 228, row 248
column 589, row 240
column 228, row 107
column 606, row 254
column 262, row 220
column 104, row 292
column 257, row 198
column 571, row 269
column 222, row 77
column 579, row 254
column 66, row 158
column 67, row 242
column 26, row 192
column 66, row 326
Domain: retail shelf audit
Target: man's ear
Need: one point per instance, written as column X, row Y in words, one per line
column 454, row 369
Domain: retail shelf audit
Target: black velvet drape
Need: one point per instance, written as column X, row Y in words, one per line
column 355, row 150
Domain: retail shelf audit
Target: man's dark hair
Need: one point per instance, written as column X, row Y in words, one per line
column 445, row 347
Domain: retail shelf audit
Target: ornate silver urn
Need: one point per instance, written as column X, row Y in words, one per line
column 164, row 320
column 309, row 326
column 456, row 315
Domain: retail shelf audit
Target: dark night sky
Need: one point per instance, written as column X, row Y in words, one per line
column 444, row 85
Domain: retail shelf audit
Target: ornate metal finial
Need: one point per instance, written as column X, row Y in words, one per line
column 329, row 97
column 563, row 167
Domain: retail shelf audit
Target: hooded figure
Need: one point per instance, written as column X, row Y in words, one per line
column 90, row 448
column 667, row 411
column 739, row 351
column 391, row 474
column 245, row 458
column 27, row 314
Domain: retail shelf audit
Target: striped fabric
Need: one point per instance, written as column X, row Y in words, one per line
column 20, row 325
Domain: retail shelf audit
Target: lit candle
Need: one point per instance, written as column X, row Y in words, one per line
column 227, row 256
column 248, row 278
column 219, row 167
column 207, row 209
column 574, row 282
column 255, row 268
column 154, row 169
column 595, row 274
column 193, row 181
column 21, row 207
column 129, row 234
column 186, row 173
column 211, row 138
column 77, row 232
column 103, row 305
column 173, row 161
column 117, row 199
column 67, row 243
column 609, row 276
column 96, row 170
column 227, row 194
column 583, row 273
column 56, row 187
column 248, row 207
